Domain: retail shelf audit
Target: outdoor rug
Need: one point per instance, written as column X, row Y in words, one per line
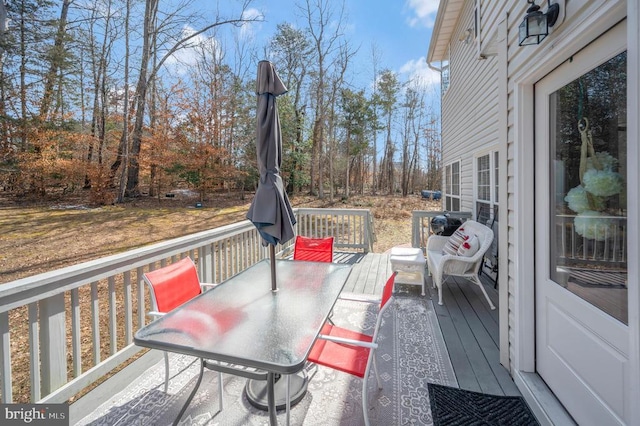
column 411, row 355
column 453, row 407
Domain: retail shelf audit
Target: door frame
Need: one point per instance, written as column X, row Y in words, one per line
column 576, row 34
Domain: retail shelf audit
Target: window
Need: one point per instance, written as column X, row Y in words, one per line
column 444, row 78
column 487, row 187
column 452, row 187
column 445, row 73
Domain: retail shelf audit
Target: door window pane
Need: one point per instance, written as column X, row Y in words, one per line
column 588, row 193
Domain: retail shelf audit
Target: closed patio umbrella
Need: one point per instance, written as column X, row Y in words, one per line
column 270, row 209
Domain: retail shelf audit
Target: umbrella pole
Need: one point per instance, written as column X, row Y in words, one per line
column 272, row 255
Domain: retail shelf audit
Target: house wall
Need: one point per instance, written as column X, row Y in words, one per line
column 491, row 101
column 469, row 107
column 585, row 22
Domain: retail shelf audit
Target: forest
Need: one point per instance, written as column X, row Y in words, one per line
column 96, row 98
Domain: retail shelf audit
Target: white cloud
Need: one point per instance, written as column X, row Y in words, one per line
column 184, row 58
column 248, row 29
column 418, row 72
column 423, row 12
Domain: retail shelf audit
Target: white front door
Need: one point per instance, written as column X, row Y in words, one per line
column 580, row 232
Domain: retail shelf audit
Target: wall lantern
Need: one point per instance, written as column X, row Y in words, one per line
column 535, row 25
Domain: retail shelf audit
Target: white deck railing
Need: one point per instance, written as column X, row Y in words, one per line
column 80, row 320
column 421, row 225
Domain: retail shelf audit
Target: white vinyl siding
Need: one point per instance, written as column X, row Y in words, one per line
column 470, row 108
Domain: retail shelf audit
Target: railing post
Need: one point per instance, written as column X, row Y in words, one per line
column 53, row 343
column 415, row 229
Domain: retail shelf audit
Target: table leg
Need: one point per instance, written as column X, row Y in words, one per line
column 271, row 399
column 193, row 392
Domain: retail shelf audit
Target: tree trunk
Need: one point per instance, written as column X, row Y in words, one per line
column 133, row 173
column 56, row 56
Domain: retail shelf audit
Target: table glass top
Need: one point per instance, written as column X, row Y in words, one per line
column 242, row 321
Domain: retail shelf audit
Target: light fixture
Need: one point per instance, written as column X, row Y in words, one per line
column 466, row 36
column 535, row 25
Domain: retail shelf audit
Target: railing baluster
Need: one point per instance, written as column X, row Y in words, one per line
column 34, row 356
column 128, row 308
column 113, row 326
column 95, row 322
column 141, row 303
column 75, row 333
column 5, row 356
column 53, row 343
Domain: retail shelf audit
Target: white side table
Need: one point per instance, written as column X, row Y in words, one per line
column 410, row 264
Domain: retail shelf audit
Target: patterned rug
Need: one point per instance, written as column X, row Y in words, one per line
column 457, row 407
column 411, row 355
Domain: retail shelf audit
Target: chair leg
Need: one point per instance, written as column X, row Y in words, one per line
column 166, row 372
column 221, row 403
column 375, row 370
column 477, row 281
column 365, row 401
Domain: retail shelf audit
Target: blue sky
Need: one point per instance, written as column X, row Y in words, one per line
column 400, row 30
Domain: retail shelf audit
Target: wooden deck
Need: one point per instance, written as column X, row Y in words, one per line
column 469, row 327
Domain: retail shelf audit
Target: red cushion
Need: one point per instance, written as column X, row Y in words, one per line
column 174, row 284
column 313, row 249
column 341, row 356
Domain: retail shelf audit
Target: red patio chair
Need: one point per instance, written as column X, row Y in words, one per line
column 350, row 351
column 313, row 249
column 170, row 287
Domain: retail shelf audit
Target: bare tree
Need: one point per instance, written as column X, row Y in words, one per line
column 57, row 55
column 389, row 87
column 292, row 52
column 148, row 70
column 413, row 116
column 325, row 28
column 336, row 83
column 375, row 60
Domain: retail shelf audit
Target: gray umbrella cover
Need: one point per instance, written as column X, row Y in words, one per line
column 270, row 209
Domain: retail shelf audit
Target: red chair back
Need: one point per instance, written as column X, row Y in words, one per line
column 387, row 290
column 313, row 249
column 173, row 284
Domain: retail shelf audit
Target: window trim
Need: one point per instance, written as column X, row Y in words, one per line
column 448, row 183
column 494, row 168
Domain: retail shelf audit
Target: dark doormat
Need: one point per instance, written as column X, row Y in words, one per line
column 453, row 406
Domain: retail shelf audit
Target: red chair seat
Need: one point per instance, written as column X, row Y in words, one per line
column 340, row 356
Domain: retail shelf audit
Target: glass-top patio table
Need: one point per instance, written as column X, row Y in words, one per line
column 244, row 323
